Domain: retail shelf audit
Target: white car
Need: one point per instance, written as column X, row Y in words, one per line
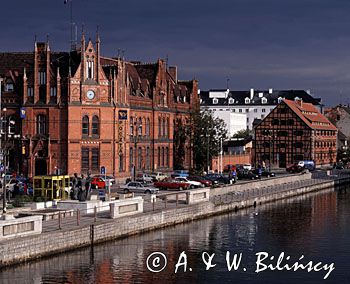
column 135, row 186
column 247, row 167
column 159, row 176
column 193, row 184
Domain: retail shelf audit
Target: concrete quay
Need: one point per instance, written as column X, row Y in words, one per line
column 103, row 229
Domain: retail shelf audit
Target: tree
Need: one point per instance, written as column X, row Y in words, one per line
column 181, row 134
column 244, row 133
column 206, row 140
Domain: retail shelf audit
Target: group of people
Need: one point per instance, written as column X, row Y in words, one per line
column 81, row 187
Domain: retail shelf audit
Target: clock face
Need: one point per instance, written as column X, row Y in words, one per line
column 90, row 94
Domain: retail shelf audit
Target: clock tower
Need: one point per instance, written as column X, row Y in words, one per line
column 89, row 104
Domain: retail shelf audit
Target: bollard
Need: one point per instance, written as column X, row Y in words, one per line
column 59, row 221
column 95, row 214
column 78, row 217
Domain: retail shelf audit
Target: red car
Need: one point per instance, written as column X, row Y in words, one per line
column 295, row 168
column 98, row 183
column 201, row 180
column 171, row 184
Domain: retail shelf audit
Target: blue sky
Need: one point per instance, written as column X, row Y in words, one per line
column 280, row 44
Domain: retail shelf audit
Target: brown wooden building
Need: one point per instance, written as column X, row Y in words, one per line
column 292, row 132
column 84, row 111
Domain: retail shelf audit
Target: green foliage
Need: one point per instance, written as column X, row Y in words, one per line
column 181, row 134
column 206, row 139
column 20, row 200
column 244, row 133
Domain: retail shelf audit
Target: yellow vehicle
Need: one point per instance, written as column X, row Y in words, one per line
column 51, row 187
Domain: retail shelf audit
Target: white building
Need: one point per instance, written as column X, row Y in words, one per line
column 240, row 108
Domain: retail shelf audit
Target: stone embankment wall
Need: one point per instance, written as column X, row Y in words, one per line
column 21, row 249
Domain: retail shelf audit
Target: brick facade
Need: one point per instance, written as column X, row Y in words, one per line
column 75, row 105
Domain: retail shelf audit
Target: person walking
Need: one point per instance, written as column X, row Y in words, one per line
column 75, row 188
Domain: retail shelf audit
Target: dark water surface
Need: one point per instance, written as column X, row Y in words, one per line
column 316, row 226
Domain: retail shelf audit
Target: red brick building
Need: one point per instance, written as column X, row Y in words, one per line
column 295, row 131
column 84, row 111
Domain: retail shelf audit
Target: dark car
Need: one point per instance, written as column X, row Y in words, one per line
column 219, row 179
column 264, row 173
column 202, row 180
column 247, row 175
column 295, row 168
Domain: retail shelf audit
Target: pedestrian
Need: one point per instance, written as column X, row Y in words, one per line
column 88, row 187
column 75, row 188
column 82, row 192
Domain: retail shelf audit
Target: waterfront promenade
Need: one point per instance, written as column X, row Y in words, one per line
column 72, row 232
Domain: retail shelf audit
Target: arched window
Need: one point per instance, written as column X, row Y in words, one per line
column 131, row 126
column 158, row 156
column 85, row 126
column 163, row 157
column 131, row 158
column 95, row 125
column 41, row 124
column 168, row 127
column 148, row 124
column 164, row 129
column 139, row 159
column 148, row 166
column 11, row 125
column 140, row 127
column 159, row 127
column 167, row 156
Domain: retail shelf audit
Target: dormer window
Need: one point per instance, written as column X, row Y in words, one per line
column 231, row 100
column 247, row 100
column 215, row 100
column 263, row 100
column 280, row 99
column 9, row 87
column 261, row 95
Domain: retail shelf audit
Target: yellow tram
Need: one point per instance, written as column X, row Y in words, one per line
column 52, row 187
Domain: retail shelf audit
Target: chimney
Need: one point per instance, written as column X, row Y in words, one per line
column 173, row 72
column 270, row 91
column 251, row 94
column 298, row 101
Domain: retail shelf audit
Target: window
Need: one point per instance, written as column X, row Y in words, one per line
column 247, row 119
column 266, row 144
column 215, row 100
column 282, row 133
column 275, row 121
column 131, row 158
column 148, row 127
column 84, row 159
column 233, row 110
column 131, row 126
column 159, row 127
column 231, row 100
column 290, row 121
column 30, row 91
column 90, row 70
column 164, row 127
column 282, row 145
column 263, row 110
column 85, row 126
column 41, row 124
column 42, row 78
column 168, row 127
column 139, row 129
column 247, row 110
column 53, row 92
column 121, row 164
column 163, row 160
column 255, row 110
column 95, row 125
column 148, row 164
column 95, row 154
column 240, row 110
column 298, row 133
column 283, row 122
column 262, row 116
column 9, row 87
column 158, row 156
column 263, row 100
column 247, row 100
column 139, row 158
column 167, row 156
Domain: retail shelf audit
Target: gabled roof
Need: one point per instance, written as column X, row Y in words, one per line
column 310, row 115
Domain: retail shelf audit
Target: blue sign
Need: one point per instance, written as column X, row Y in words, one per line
column 103, row 170
column 123, row 115
column 22, row 112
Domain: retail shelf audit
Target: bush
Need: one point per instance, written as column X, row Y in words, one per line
column 20, row 200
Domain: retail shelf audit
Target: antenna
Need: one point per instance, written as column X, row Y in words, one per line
column 227, row 80
column 72, row 41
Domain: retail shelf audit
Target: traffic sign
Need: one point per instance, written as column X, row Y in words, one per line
column 103, row 170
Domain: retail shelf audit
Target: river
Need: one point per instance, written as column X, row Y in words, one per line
column 316, row 226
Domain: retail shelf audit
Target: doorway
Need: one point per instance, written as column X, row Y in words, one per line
column 40, row 167
column 282, row 160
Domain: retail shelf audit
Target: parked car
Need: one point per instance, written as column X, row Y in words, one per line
column 310, row 165
column 172, row 184
column 193, row 183
column 109, row 178
column 158, row 176
column 219, row 179
column 247, row 174
column 202, row 180
column 136, row 186
column 180, row 173
column 145, row 178
column 295, row 168
column 97, row 183
column 247, row 167
column 264, row 172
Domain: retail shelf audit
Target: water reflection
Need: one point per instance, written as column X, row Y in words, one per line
column 316, row 225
